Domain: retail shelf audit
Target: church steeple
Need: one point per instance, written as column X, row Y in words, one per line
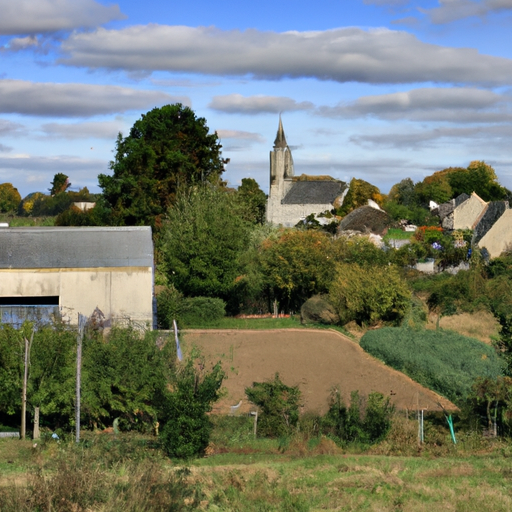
column 280, row 141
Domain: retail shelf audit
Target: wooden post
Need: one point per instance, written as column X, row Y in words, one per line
column 24, row 392
column 81, row 324
column 36, row 434
column 24, row 395
column 255, row 414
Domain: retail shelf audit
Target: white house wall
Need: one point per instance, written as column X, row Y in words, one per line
column 121, row 293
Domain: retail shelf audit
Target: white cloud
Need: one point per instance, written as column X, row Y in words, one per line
column 238, row 104
column 456, row 105
column 43, row 16
column 22, row 43
column 100, row 130
column 76, row 100
column 453, row 10
column 343, row 55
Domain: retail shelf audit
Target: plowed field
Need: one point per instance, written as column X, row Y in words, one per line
column 315, row 360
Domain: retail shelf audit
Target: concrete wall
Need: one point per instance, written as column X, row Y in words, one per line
column 499, row 238
column 467, row 213
column 121, row 293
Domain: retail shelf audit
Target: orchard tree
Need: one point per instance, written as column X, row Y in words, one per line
column 168, row 149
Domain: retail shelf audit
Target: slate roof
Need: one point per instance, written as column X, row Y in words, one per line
column 75, row 247
column 494, row 211
column 314, row 192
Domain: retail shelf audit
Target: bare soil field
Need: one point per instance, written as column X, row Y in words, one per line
column 315, row 360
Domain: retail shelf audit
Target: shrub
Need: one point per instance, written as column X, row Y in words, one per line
column 279, row 405
column 364, row 421
column 186, row 426
column 202, row 310
column 169, row 304
column 369, row 294
column 443, row 361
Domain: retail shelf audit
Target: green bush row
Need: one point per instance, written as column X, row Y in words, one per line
column 443, row 361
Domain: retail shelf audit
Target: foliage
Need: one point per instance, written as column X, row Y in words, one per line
column 296, row 265
column 279, row 406
column 434, row 188
column 251, row 194
column 124, row 376
column 60, row 184
column 186, row 426
column 364, row 421
column 74, row 216
column 202, row 241
column 169, row 149
column 9, row 198
column 359, row 192
column 369, row 294
column 27, row 204
column 440, row 360
column 199, row 311
column 403, row 193
column 169, row 303
column 360, row 250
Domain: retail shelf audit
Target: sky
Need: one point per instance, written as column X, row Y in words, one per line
column 378, row 90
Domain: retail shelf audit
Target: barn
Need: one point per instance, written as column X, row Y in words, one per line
column 60, row 272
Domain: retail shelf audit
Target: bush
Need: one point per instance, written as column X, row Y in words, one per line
column 169, row 304
column 279, row 406
column 186, row 426
column 369, row 294
column 443, row 361
column 317, row 310
column 197, row 311
column 366, row 421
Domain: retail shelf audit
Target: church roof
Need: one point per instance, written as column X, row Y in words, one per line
column 314, row 192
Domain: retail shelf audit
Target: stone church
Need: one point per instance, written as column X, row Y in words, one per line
column 292, row 198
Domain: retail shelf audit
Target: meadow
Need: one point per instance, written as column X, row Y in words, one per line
column 128, row 473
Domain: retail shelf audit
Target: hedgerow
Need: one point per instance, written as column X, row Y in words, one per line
column 443, row 361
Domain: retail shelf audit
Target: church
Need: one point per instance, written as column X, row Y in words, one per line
column 293, row 198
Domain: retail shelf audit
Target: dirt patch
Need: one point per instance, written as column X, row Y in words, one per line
column 480, row 325
column 315, row 360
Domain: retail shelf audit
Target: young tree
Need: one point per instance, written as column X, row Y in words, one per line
column 168, row 149
column 60, row 184
column 251, row 194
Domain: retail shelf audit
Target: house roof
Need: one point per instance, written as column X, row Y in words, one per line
column 494, row 211
column 314, row 192
column 75, row 247
column 366, row 218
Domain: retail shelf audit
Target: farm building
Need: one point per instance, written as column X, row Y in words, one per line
column 48, row 272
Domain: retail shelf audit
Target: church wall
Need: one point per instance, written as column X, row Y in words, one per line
column 289, row 214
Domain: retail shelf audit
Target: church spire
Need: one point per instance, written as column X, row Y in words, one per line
column 280, row 141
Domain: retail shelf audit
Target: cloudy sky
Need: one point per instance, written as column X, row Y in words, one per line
column 376, row 89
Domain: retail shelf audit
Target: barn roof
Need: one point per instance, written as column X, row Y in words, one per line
column 75, row 247
column 314, row 192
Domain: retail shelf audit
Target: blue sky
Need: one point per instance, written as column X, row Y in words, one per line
column 373, row 89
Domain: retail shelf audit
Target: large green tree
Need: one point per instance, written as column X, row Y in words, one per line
column 202, row 241
column 168, row 149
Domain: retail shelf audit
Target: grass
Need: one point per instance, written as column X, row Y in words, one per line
column 292, row 322
column 15, row 221
column 398, row 234
column 128, row 473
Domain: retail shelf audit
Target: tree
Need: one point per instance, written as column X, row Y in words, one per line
column 250, row 193
column 60, row 184
column 202, row 240
column 358, row 194
column 296, row 265
column 9, row 198
column 167, row 150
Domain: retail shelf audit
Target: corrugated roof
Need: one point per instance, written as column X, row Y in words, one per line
column 75, row 247
column 314, row 192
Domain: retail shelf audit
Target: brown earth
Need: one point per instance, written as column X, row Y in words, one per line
column 315, row 360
